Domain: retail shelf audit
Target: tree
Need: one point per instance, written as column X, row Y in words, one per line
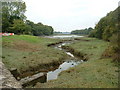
column 14, row 20
column 10, row 12
column 82, row 31
column 115, row 42
column 107, row 26
column 19, row 27
column 92, row 33
column 40, row 29
column 48, row 30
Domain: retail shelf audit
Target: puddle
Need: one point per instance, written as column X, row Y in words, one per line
column 64, row 66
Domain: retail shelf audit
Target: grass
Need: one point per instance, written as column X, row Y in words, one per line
column 91, row 48
column 26, row 52
column 97, row 72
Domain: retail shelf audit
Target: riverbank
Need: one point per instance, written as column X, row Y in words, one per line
column 97, row 72
column 30, row 54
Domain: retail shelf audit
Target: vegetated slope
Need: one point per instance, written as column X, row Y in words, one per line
column 108, row 28
column 97, row 72
column 30, row 53
column 108, row 25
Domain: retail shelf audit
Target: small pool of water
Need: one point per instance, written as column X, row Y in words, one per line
column 64, row 66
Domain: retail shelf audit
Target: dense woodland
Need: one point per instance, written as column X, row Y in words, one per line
column 108, row 28
column 14, row 21
column 82, row 31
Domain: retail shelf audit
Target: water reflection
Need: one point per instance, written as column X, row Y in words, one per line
column 64, row 66
column 67, row 64
column 64, row 36
column 68, row 53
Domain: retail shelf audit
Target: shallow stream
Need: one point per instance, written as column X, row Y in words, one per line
column 51, row 75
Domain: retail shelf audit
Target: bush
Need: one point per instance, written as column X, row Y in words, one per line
column 115, row 42
column 92, row 33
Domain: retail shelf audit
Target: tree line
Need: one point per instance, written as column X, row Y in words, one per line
column 82, row 31
column 108, row 28
column 14, row 21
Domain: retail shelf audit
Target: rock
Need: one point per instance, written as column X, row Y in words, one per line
column 6, row 78
column 31, row 80
column 14, row 72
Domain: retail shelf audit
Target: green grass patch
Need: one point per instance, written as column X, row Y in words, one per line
column 97, row 72
column 93, row 48
column 26, row 52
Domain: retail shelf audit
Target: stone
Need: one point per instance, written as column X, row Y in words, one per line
column 7, row 80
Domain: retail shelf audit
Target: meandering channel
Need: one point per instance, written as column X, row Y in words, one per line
column 51, row 75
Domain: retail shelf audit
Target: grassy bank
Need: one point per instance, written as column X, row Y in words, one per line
column 97, row 72
column 30, row 54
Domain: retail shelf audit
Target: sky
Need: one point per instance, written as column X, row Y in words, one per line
column 68, row 15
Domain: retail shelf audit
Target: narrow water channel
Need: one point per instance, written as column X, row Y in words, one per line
column 43, row 77
column 51, row 75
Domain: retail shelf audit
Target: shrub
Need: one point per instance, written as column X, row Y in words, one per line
column 115, row 42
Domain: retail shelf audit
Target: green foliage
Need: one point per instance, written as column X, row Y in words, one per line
column 40, row 29
column 95, row 73
column 82, row 31
column 115, row 42
column 108, row 25
column 26, row 52
column 14, row 21
column 92, row 33
column 10, row 12
column 108, row 28
column 19, row 27
column 99, row 28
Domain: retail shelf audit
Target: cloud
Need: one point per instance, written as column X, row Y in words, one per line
column 67, row 15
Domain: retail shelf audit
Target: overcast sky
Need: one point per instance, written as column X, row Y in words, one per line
column 68, row 15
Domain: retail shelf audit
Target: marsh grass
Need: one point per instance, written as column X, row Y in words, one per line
column 29, row 52
column 97, row 72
